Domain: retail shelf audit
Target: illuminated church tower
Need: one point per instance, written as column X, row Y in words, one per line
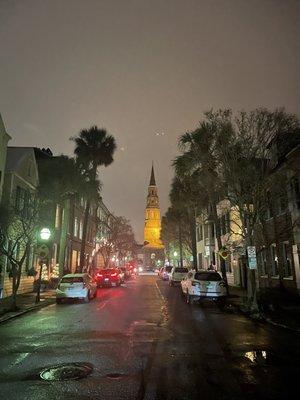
column 153, row 247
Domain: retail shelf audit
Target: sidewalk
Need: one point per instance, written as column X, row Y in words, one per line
column 26, row 303
column 285, row 314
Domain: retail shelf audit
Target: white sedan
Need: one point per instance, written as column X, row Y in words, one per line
column 76, row 286
column 204, row 284
column 177, row 275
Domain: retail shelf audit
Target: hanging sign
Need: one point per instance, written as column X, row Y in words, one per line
column 224, row 253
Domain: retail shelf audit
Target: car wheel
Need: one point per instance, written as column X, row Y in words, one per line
column 189, row 299
column 58, row 301
column 87, row 297
column 221, row 303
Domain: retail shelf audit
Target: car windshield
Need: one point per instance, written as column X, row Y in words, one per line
column 168, row 269
column 207, row 276
column 72, row 279
column 181, row 270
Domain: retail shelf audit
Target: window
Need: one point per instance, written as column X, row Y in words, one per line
column 274, row 260
column 295, row 189
column 181, row 270
column 262, row 261
column 200, row 260
column 282, row 204
column 75, row 227
column 80, row 229
column 228, row 266
column 206, row 231
column 228, row 222
column 207, row 276
column 72, row 279
column 212, row 232
column 287, row 257
column 199, row 233
column 57, row 217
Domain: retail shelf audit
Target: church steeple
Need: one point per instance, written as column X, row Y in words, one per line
column 152, row 178
column 152, row 216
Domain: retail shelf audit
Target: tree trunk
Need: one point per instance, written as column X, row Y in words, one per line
column 180, row 243
column 220, row 245
column 63, row 237
column 194, row 239
column 84, row 235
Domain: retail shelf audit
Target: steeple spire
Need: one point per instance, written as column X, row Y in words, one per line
column 152, row 178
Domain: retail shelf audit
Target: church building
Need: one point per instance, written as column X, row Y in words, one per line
column 153, row 249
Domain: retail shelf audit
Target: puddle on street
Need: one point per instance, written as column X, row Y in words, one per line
column 267, row 358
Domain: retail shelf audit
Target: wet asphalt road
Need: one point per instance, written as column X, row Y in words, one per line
column 145, row 342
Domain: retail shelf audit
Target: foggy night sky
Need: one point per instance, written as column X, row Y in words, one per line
column 138, row 68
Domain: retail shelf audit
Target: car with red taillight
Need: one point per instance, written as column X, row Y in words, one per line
column 108, row 277
column 204, row 284
column 76, row 286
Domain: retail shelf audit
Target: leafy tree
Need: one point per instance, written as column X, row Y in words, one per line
column 93, row 147
column 18, row 230
column 119, row 241
column 175, row 233
column 231, row 156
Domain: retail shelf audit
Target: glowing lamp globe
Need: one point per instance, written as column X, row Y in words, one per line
column 45, row 233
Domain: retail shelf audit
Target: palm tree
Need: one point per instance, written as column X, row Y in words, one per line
column 93, row 147
column 200, row 163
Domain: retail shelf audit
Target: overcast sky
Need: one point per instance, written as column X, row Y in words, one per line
column 141, row 68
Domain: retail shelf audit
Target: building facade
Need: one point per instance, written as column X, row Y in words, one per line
column 4, row 138
column 20, row 184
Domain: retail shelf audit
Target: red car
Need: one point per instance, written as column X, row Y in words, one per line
column 108, row 277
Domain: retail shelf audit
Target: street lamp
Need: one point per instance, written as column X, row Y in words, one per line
column 45, row 234
column 43, row 251
column 175, row 256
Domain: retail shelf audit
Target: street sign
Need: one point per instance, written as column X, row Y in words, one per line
column 251, row 251
column 252, row 262
column 42, row 251
column 224, row 253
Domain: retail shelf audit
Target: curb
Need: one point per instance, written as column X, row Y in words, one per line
column 264, row 319
column 45, row 303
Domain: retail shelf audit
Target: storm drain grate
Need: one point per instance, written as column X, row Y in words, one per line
column 67, row 372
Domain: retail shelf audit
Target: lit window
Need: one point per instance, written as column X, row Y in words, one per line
column 274, row 259
column 80, row 229
column 75, row 226
column 57, row 217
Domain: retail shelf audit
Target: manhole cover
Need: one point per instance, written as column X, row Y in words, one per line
column 67, row 372
column 115, row 375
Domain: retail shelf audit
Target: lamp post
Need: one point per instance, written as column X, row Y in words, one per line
column 175, row 254
column 42, row 251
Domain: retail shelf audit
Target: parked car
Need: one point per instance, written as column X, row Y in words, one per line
column 177, row 275
column 122, row 274
column 126, row 272
column 165, row 272
column 198, row 285
column 76, row 286
column 108, row 277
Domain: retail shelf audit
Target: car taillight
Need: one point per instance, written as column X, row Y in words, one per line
column 115, row 274
column 100, row 275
